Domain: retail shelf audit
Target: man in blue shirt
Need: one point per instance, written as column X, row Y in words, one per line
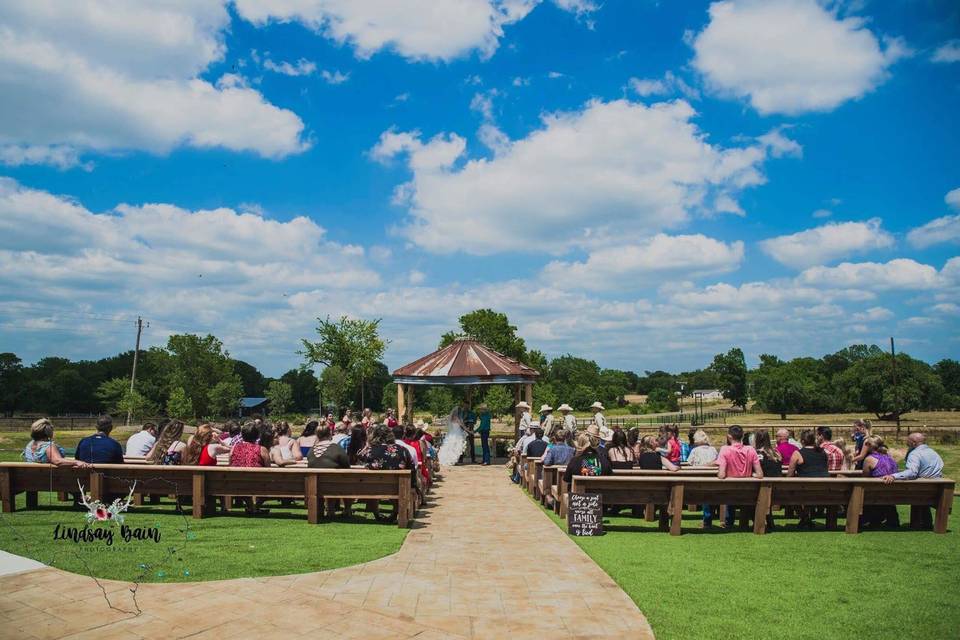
column 100, row 447
column 484, row 430
column 921, row 462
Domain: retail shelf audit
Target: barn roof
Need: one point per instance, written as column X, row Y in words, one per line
column 465, row 361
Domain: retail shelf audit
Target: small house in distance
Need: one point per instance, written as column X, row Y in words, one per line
column 707, row 394
column 249, row 406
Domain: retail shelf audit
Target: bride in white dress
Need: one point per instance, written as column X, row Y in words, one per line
column 455, row 441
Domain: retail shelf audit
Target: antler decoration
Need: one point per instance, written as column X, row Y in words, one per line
column 99, row 512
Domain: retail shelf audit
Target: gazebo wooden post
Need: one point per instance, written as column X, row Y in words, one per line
column 516, row 413
column 408, row 419
column 401, row 403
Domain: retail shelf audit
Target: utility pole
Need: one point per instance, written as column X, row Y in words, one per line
column 896, row 389
column 133, row 375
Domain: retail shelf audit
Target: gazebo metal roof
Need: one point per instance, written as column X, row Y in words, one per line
column 465, row 362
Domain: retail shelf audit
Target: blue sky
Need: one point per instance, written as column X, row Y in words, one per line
column 642, row 183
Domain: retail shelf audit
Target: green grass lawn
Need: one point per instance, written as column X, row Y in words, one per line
column 213, row 548
column 788, row 584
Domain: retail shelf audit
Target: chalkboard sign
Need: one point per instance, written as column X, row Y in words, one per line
column 585, row 514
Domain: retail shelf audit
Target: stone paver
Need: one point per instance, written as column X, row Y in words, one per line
column 466, row 570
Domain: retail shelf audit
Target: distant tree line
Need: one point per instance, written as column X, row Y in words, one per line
column 195, row 377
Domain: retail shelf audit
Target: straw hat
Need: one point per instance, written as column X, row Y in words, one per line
column 522, row 405
column 564, row 407
column 545, row 407
column 593, row 430
column 597, row 405
column 606, row 434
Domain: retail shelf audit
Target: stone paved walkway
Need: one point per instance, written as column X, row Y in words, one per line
column 482, row 562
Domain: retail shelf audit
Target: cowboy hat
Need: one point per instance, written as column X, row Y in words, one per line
column 522, row 405
column 593, row 430
column 606, row 434
column 545, row 407
column 482, row 406
column 597, row 405
column 564, row 407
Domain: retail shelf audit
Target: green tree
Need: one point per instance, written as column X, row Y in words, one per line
column 179, row 404
column 491, row 329
column 499, row 399
column 388, row 397
column 303, row 386
column 868, row 385
column 336, row 386
column 254, row 384
column 438, row 400
column 949, row 372
column 353, row 345
column 785, row 388
column 731, row 368
column 137, row 404
column 659, row 400
column 223, row 399
column 198, row 365
column 111, row 393
column 280, row 395
column 544, row 393
column 11, row 382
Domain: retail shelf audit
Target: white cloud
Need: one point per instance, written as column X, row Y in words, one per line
column 873, row 314
column 953, row 198
column 947, row 52
column 791, row 56
column 415, row 29
column 416, row 277
column 622, row 165
column 822, row 213
column 937, row 231
column 669, row 84
column 899, row 274
column 554, row 75
column 521, row 82
column 334, row 77
column 107, row 76
column 302, row 67
column 827, row 243
column 59, row 156
column 640, row 264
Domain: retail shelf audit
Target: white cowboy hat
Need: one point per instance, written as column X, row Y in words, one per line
column 597, row 405
column 564, row 407
column 545, row 407
column 522, row 405
column 606, row 434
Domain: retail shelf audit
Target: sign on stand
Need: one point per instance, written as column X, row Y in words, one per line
column 585, row 514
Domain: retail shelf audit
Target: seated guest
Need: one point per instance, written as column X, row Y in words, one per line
column 398, row 433
column 411, row 439
column 770, row 462
column 835, row 457
column 588, row 461
column 687, row 447
column 307, row 438
column 619, row 452
column 248, row 452
column 325, row 453
column 356, row 444
column 702, row 454
column 921, row 462
column 288, row 447
column 341, row 431
column 652, row 457
column 203, row 447
column 633, row 439
column 42, row 450
column 737, row 460
column 100, row 448
column 784, row 446
column 559, row 453
column 877, row 463
column 279, row 456
column 140, row 443
column 331, row 422
column 536, row 447
column 810, row 461
column 231, row 435
column 674, row 449
column 384, row 452
column 168, row 449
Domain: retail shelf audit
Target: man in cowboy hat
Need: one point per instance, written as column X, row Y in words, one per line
column 526, row 421
column 546, row 419
column 483, row 414
column 569, row 422
column 598, row 418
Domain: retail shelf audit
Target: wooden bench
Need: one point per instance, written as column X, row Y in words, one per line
column 676, row 490
column 203, row 484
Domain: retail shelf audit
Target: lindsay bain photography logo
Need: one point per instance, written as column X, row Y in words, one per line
column 111, row 515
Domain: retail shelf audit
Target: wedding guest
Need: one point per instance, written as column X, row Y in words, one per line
column 140, row 443
column 307, row 438
column 651, row 458
column 168, row 449
column 598, row 417
column 280, row 456
column 588, row 461
column 847, row 462
column 325, row 453
column 877, row 463
column 569, row 423
column 356, row 443
column 921, row 462
column 484, row 419
column 673, row 443
column 283, row 439
column 546, row 419
column 687, row 447
column 536, row 446
column 619, row 452
column 100, row 448
column 559, row 451
column 810, row 461
column 391, row 419
column 248, row 452
column 469, row 423
column 384, row 452
column 526, row 420
column 770, row 461
column 835, row 457
column 702, row 453
column 42, row 450
column 737, row 460
column 331, row 422
column 784, row 446
column 232, row 430
column 203, row 447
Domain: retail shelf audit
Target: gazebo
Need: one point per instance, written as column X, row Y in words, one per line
column 465, row 362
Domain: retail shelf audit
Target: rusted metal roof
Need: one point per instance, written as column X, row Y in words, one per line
column 465, row 361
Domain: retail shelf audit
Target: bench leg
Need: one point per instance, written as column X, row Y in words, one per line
column 762, row 510
column 199, row 495
column 403, row 506
column 648, row 512
column 312, row 498
column 96, row 485
column 943, row 510
column 138, row 499
column 6, row 491
column 854, row 509
column 676, row 509
column 832, row 511
column 63, row 496
column 32, row 500
column 664, row 524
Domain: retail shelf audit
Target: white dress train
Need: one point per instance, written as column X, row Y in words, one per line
column 454, row 442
